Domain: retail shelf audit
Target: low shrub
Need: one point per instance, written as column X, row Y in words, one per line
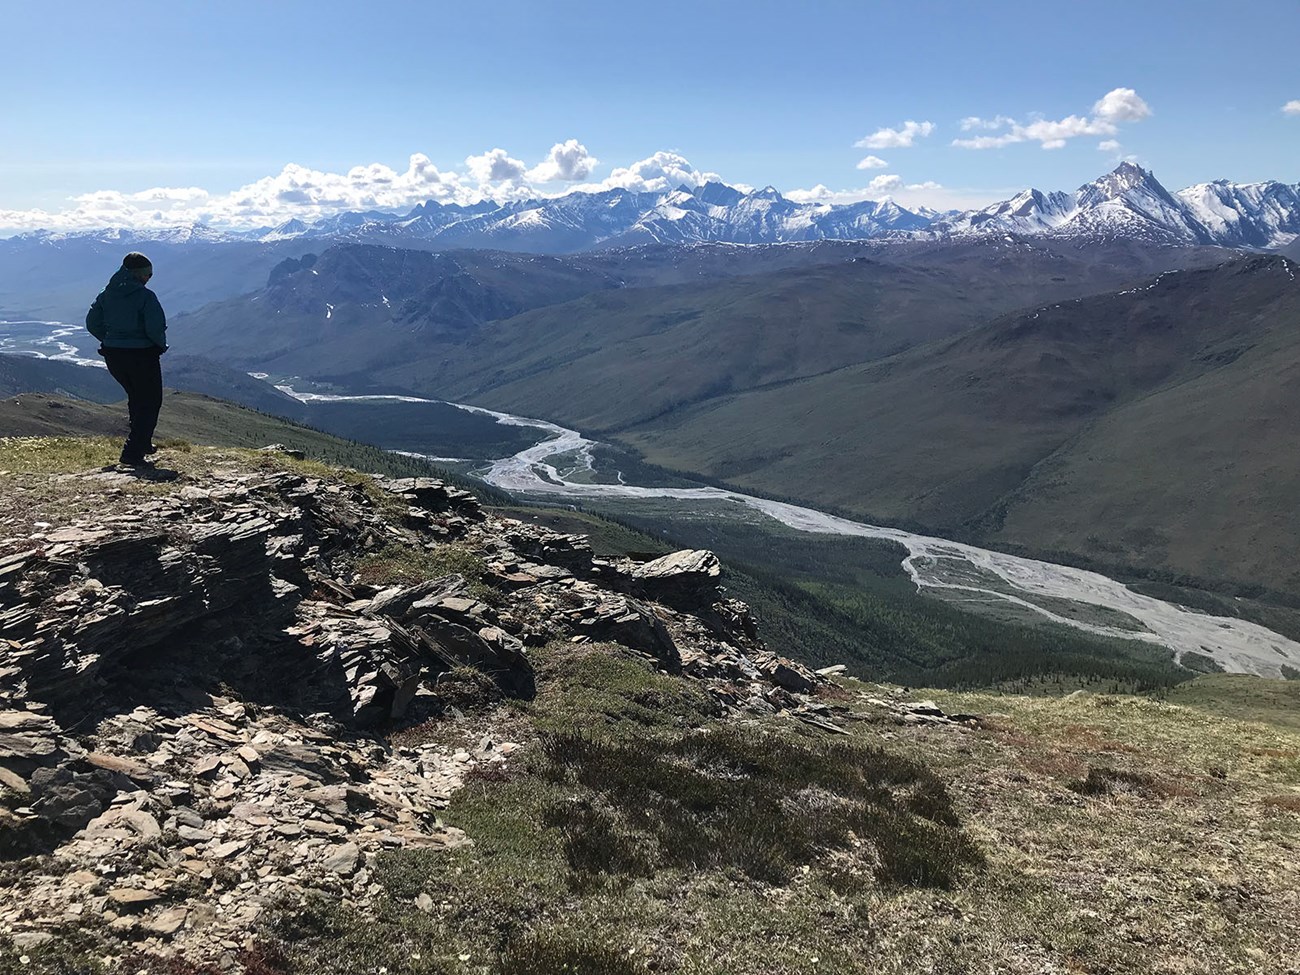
column 558, row 955
column 1104, row 781
column 761, row 805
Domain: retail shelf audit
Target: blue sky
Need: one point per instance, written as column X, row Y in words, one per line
column 170, row 111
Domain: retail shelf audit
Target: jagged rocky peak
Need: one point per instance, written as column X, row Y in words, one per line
column 1121, row 181
column 289, row 228
column 1033, row 201
column 718, row 194
column 290, row 266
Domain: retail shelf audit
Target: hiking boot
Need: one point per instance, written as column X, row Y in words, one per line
column 130, row 460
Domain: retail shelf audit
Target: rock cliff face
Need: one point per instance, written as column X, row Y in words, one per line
column 194, row 681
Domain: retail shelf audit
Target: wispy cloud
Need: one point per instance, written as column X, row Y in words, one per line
column 975, row 122
column 1292, row 107
column 900, row 138
column 1116, row 106
column 890, row 186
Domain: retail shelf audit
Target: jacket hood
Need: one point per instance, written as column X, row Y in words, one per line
column 124, row 279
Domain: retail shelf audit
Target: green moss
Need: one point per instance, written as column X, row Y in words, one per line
column 592, row 686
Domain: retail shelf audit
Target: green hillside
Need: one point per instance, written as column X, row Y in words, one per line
column 622, row 357
column 1118, row 428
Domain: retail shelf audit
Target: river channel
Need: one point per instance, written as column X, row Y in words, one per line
column 562, row 464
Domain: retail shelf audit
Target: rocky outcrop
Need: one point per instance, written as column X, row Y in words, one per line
column 191, row 678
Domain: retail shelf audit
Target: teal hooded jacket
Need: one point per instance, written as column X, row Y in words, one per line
column 127, row 315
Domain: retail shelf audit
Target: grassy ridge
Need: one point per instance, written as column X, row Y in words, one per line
column 198, row 419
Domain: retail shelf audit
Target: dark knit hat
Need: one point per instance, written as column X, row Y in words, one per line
column 136, row 261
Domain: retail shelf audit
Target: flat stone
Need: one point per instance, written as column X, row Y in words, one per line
column 31, row 939
column 126, row 766
column 688, row 562
column 75, row 534
column 343, row 860
column 167, row 922
column 238, row 766
column 206, row 766
column 13, row 782
column 133, row 898
column 142, row 823
column 224, row 851
column 322, row 829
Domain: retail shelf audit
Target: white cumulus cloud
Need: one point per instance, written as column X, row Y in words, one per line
column 567, row 162
column 1116, row 106
column 309, row 194
column 872, row 162
column 662, row 171
column 901, row 138
column 886, row 183
column 1109, row 145
column 295, row 191
column 1121, row 105
column 495, row 166
column 1292, row 107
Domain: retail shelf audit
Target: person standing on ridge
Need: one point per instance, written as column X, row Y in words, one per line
column 132, row 331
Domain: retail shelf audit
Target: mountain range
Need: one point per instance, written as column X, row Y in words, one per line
column 49, row 275
column 1127, row 203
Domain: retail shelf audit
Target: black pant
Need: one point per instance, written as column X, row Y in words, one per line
column 139, row 373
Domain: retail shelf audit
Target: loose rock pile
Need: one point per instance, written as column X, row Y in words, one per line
column 190, row 688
